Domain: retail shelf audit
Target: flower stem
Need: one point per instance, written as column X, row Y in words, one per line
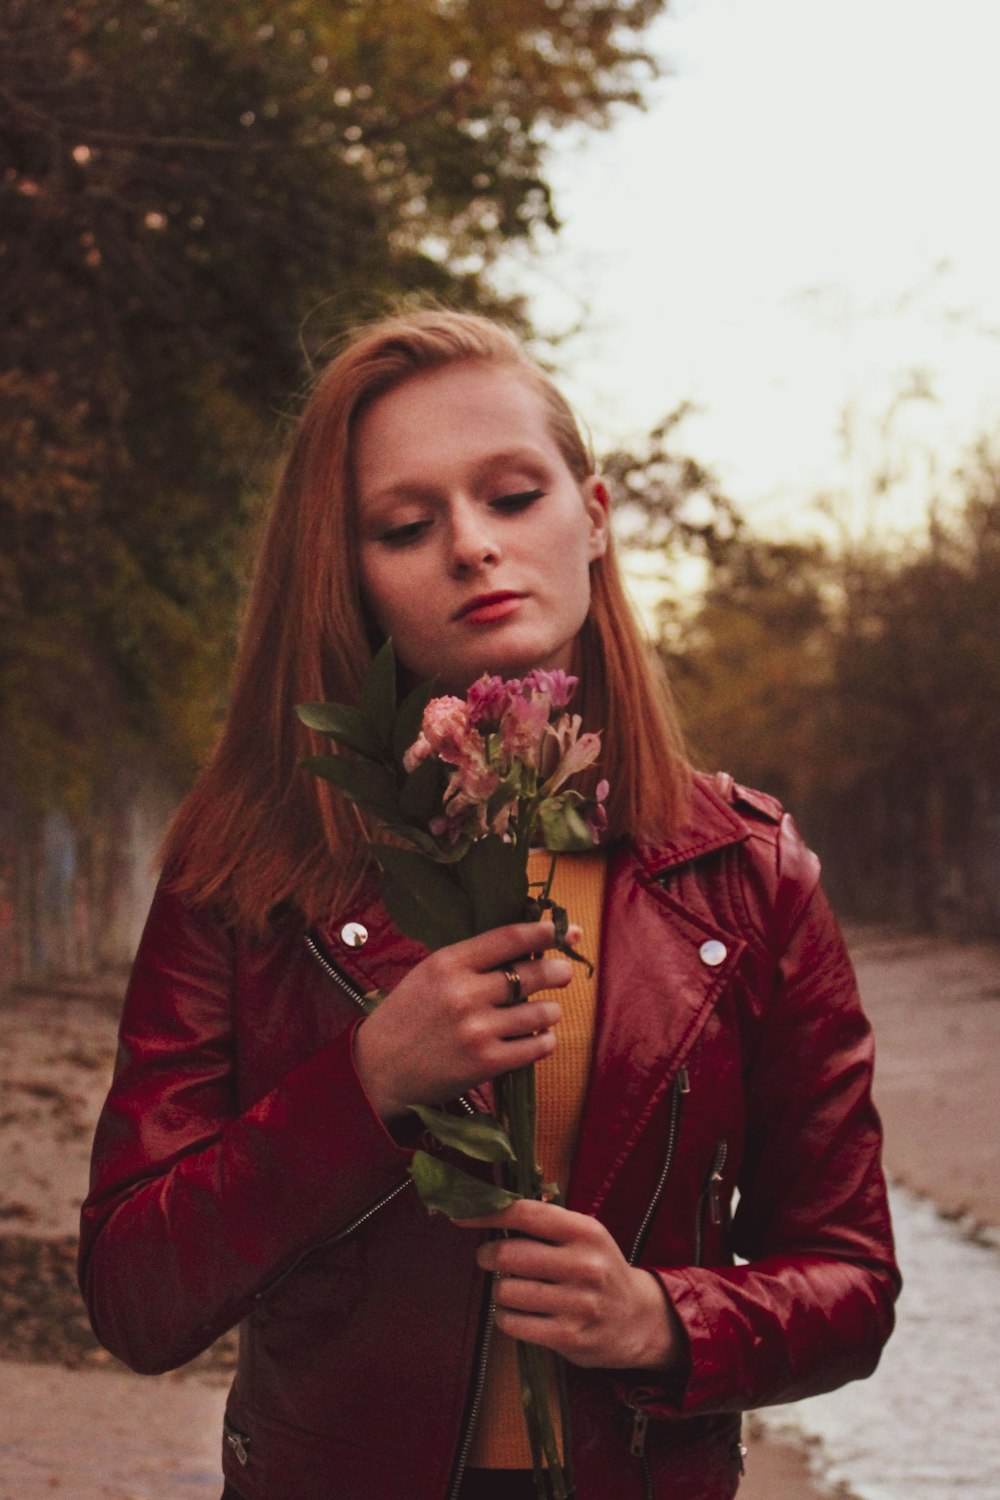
column 516, row 1104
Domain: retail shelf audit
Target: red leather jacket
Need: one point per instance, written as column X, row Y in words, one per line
column 241, row 1176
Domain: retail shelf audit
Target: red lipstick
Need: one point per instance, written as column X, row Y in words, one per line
column 484, row 609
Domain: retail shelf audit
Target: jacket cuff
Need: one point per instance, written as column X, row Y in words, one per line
column 659, row 1393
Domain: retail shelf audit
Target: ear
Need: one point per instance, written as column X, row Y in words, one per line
column 597, row 504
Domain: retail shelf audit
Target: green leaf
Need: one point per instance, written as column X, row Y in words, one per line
column 480, row 1136
column 507, row 791
column 345, row 725
column 428, row 846
column 562, row 826
column 495, row 878
column 411, row 716
column 378, row 697
column 422, row 794
column 423, row 899
column 445, row 1189
column 361, row 781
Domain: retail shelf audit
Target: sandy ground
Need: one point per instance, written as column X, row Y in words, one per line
column 71, row 1424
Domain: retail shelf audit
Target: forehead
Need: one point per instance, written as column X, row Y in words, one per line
column 464, row 414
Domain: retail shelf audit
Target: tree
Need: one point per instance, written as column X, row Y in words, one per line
column 194, row 197
column 864, row 690
column 752, row 668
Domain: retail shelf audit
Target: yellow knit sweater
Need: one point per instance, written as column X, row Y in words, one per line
column 500, row 1440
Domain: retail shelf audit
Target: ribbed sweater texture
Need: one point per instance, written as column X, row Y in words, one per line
column 500, row 1440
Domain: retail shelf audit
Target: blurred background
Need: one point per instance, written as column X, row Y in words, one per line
column 755, row 240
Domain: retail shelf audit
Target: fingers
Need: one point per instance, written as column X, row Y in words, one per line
column 543, row 1221
column 450, row 1024
column 498, row 947
column 528, row 1019
column 534, row 974
column 563, row 1283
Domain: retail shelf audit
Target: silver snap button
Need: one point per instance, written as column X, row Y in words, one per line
column 354, row 934
column 712, row 953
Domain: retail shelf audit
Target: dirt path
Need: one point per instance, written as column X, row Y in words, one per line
column 935, row 1008
column 71, row 1427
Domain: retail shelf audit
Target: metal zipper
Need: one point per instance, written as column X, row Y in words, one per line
column 477, row 1398
column 238, row 1441
column 344, row 984
column 711, row 1194
column 329, row 968
column 637, row 1445
column 335, row 1239
column 640, row 1417
column 678, row 1088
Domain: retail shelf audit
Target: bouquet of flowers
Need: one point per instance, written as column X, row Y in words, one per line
column 464, row 788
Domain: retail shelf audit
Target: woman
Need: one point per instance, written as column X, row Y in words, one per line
column 250, row 1164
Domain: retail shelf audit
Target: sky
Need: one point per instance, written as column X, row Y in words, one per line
column 801, row 236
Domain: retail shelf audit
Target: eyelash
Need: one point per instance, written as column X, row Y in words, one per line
column 518, row 501
column 399, row 536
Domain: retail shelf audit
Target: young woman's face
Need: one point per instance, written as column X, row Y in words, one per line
column 475, row 540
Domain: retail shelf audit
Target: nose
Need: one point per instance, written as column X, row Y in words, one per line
column 473, row 543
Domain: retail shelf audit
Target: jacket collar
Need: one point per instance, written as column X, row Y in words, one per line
column 386, row 956
column 711, row 823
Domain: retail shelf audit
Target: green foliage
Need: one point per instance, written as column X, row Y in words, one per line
column 480, row 1136
column 446, row 1189
column 753, row 673
column 194, row 197
column 438, row 891
column 493, row 875
column 422, row 899
column 864, row 691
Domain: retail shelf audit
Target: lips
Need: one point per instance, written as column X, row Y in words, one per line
column 486, row 607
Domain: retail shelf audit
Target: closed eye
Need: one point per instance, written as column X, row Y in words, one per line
column 519, row 501
column 398, row 536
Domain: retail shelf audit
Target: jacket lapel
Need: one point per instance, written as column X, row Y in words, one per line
column 365, row 944
column 656, row 990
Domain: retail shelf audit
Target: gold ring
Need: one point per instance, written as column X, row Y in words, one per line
column 513, row 979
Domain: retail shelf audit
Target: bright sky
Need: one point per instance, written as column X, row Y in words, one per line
column 805, row 223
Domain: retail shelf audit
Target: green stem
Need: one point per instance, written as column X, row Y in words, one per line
column 551, row 875
column 516, row 1104
column 529, row 1406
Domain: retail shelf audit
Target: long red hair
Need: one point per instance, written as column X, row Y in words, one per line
column 257, row 832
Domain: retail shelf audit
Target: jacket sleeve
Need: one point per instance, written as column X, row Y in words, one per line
column 194, row 1206
column 813, row 1305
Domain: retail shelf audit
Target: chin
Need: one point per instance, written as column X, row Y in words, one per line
column 503, row 658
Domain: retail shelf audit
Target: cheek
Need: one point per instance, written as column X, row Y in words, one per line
column 379, row 588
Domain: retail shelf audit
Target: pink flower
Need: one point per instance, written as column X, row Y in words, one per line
column 418, row 751
column 575, row 751
column 522, row 728
column 477, row 780
column 500, row 822
column 596, row 817
column 489, row 696
column 558, row 686
column 446, row 726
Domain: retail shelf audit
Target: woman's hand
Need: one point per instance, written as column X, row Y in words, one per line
column 449, row 1024
column 569, row 1288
